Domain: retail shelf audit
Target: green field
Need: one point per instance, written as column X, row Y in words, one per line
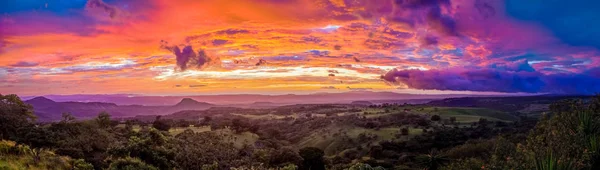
column 468, row 114
column 462, row 114
column 333, row 138
column 178, row 130
column 238, row 140
column 265, row 116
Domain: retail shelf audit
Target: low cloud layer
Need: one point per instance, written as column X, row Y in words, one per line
column 520, row 79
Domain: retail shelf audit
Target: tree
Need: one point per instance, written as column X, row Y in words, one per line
column 570, row 137
column 452, row 120
column 14, row 115
column 363, row 166
column 160, row 124
column 435, row 118
column 80, row 164
column 193, row 150
column 67, row 118
column 207, row 119
column 284, row 156
column 432, row 161
column 103, row 120
column 404, row 131
column 129, row 163
column 313, row 158
column 150, row 146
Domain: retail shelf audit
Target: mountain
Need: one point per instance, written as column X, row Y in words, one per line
column 48, row 110
column 188, row 104
column 191, row 103
column 507, row 104
column 366, row 103
column 249, row 99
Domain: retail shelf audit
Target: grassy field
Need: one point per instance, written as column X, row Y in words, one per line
column 333, row 138
column 238, row 140
column 178, row 130
column 462, row 114
column 265, row 116
column 467, row 114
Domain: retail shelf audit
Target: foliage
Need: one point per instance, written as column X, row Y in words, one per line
column 197, row 149
column 13, row 156
column 161, row 124
column 432, row 161
column 567, row 137
column 362, row 166
column 435, row 118
column 129, row 163
column 14, row 116
column 313, row 158
column 549, row 162
column 465, row 164
column 103, row 120
column 150, row 146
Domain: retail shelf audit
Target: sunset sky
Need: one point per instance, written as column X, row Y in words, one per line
column 172, row 47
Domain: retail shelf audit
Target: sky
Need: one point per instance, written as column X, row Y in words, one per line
column 170, row 47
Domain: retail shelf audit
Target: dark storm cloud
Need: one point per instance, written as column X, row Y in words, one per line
column 498, row 78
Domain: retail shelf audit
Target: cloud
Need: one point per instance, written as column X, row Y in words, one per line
column 358, row 89
column 219, row 42
column 196, row 85
column 429, row 40
column 100, row 5
column 187, row 58
column 337, row 47
column 329, row 87
column 261, row 62
column 443, row 24
column 24, row 64
column 516, row 78
column 233, row 31
column 413, row 4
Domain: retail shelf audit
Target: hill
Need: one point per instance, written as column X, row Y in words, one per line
column 236, row 99
column 361, row 103
column 49, row 110
column 514, row 105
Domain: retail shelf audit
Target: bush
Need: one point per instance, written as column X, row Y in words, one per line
column 404, row 131
column 130, row 164
column 435, row 118
column 161, row 125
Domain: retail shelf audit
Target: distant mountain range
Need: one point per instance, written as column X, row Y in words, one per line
column 51, row 107
column 49, row 110
column 249, row 99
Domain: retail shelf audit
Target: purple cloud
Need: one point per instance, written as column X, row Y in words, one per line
column 99, row 4
column 219, row 42
column 187, row 58
column 515, row 78
column 25, row 64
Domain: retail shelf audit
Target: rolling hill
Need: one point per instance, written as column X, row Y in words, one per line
column 49, row 110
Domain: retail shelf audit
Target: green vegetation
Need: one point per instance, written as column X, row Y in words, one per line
column 13, row 156
column 465, row 114
column 389, row 136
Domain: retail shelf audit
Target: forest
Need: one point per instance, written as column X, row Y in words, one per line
column 308, row 137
